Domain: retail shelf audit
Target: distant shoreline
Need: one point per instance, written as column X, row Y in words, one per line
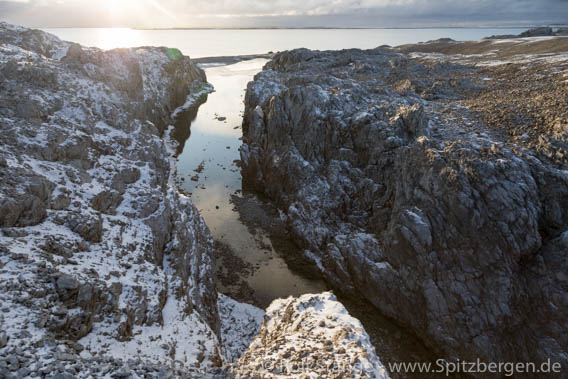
column 306, row 27
column 230, row 59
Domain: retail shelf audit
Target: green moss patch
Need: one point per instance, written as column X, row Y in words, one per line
column 173, row 54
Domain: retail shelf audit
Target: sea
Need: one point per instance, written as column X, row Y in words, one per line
column 198, row 43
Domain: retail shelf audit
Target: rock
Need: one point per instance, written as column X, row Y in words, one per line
column 123, row 372
column 412, row 122
column 67, row 283
column 125, row 177
column 412, row 200
column 25, row 198
column 3, row 339
column 534, row 32
column 106, row 202
column 240, row 323
column 87, row 226
column 291, row 342
column 501, row 36
column 537, row 32
column 60, row 202
column 78, row 325
column 13, row 363
column 63, row 375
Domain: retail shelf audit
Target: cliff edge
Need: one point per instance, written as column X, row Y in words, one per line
column 431, row 181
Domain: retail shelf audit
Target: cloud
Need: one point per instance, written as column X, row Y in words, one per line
column 350, row 13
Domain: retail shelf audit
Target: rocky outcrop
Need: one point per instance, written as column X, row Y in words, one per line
column 25, row 197
column 397, row 192
column 537, row 32
column 310, row 336
column 105, row 268
column 534, row 32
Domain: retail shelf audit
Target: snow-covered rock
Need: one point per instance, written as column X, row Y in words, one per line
column 312, row 336
column 104, row 266
column 240, row 323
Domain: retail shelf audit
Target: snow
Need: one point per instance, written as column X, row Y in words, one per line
column 295, row 329
column 60, row 53
column 192, row 99
column 490, row 59
column 182, row 338
column 524, row 40
column 240, row 323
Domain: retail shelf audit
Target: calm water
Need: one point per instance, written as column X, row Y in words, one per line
column 212, row 43
column 213, row 144
column 211, row 139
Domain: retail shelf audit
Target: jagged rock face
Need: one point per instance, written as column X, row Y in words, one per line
column 408, row 199
column 310, row 336
column 96, row 245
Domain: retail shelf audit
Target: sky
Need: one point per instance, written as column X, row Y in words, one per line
column 282, row 13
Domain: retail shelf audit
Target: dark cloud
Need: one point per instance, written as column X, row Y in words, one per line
column 241, row 13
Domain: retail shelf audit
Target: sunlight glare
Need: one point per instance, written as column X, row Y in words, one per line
column 112, row 38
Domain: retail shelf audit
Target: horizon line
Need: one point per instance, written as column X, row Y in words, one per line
column 307, row 27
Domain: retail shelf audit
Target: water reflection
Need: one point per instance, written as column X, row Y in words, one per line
column 207, row 166
column 213, row 144
column 182, row 130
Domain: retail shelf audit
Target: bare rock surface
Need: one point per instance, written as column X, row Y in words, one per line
column 311, row 336
column 400, row 189
column 106, row 270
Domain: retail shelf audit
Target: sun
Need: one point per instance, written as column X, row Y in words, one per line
column 113, row 7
